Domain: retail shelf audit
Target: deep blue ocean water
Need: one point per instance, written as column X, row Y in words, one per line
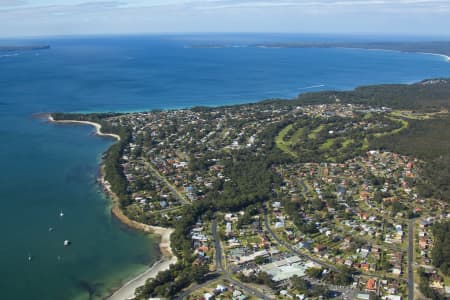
column 47, row 168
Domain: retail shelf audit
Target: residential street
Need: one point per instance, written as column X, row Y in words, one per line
column 225, row 274
column 219, row 262
column 169, row 185
column 410, row 259
column 292, row 249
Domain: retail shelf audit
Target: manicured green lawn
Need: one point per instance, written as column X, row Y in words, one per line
column 327, row 145
column 282, row 144
column 404, row 123
column 313, row 133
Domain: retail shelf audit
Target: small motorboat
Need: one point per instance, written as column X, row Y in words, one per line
column 66, row 243
column 61, row 214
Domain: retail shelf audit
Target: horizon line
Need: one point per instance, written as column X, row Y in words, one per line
column 173, row 33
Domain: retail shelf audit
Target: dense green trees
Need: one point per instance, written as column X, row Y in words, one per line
column 292, row 209
column 342, row 277
column 423, row 96
column 436, row 178
column 429, row 140
column 168, row 283
column 113, row 168
column 260, row 278
column 315, row 273
column 441, row 249
column 440, row 255
column 300, row 284
column 424, row 286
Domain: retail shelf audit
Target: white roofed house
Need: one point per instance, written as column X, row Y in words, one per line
column 228, row 229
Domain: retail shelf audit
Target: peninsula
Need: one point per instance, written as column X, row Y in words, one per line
column 24, row 48
column 437, row 47
column 332, row 194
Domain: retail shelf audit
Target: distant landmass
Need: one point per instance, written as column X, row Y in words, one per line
column 438, row 47
column 24, row 48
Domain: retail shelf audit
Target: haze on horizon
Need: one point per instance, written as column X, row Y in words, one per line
column 20, row 18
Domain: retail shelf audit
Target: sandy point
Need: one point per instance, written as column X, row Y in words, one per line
column 98, row 127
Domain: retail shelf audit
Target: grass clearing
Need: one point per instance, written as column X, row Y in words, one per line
column 282, row 144
column 403, row 122
column 347, row 142
column 365, row 144
column 368, row 116
column 313, row 133
column 418, row 116
column 296, row 136
column 327, row 145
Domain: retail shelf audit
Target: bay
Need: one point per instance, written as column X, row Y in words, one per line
column 47, row 168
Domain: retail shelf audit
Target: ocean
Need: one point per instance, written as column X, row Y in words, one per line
column 49, row 168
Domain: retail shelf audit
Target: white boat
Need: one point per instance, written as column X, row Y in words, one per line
column 61, row 214
column 66, row 243
column 30, row 258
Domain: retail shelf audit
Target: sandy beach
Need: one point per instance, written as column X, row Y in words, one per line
column 98, row 127
column 127, row 290
column 446, row 57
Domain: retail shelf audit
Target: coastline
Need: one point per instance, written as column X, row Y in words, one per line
column 126, row 291
column 326, row 46
column 444, row 56
column 98, row 127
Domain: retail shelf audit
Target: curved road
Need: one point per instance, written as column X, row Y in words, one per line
column 292, row 249
column 225, row 274
column 219, row 262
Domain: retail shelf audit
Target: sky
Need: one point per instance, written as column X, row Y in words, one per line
column 20, row 18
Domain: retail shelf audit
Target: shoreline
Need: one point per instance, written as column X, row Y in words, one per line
column 269, row 46
column 446, row 57
column 98, row 127
column 126, row 291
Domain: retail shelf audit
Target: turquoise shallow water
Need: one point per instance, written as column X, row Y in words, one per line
column 48, row 167
column 53, row 168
